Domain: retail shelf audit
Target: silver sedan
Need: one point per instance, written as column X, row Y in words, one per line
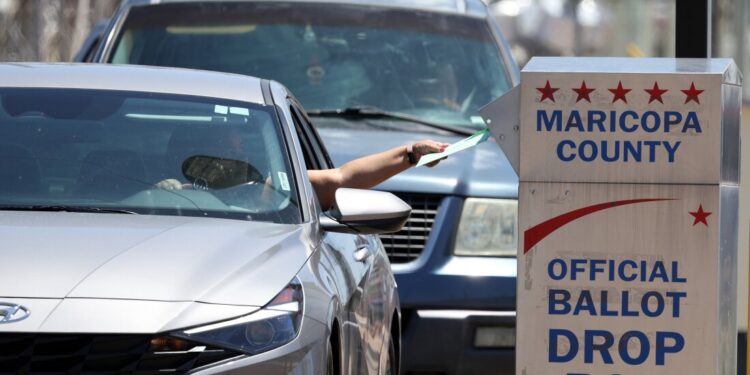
column 161, row 220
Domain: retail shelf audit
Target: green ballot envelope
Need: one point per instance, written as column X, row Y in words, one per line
column 461, row 145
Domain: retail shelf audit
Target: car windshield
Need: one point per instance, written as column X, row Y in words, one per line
column 145, row 153
column 437, row 66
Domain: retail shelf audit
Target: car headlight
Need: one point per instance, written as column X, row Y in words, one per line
column 274, row 325
column 488, row 227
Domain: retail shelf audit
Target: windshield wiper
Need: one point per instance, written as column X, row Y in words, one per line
column 360, row 112
column 61, row 208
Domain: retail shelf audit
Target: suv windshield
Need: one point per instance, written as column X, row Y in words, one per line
column 437, row 66
column 113, row 151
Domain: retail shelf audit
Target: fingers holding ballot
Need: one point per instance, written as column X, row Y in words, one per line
column 439, row 153
column 428, row 147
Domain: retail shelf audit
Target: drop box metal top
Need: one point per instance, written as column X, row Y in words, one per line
column 625, row 120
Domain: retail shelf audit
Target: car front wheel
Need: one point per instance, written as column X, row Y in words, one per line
column 391, row 366
column 330, row 367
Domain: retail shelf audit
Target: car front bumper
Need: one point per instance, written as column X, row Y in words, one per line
column 444, row 342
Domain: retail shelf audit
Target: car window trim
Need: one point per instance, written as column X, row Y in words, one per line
column 307, row 148
column 323, row 159
column 288, row 138
column 297, row 175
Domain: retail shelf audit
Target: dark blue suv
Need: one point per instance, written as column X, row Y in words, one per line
column 375, row 74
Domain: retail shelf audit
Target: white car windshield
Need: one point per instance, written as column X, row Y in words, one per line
column 145, row 153
column 436, row 66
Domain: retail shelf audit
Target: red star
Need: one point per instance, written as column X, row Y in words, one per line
column 692, row 94
column 547, row 92
column 583, row 92
column 619, row 93
column 700, row 216
column 655, row 93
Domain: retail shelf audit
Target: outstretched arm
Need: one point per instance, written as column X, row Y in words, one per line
column 368, row 171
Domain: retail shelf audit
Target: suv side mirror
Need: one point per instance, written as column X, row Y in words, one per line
column 365, row 212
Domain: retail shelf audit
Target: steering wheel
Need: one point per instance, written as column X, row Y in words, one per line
column 209, row 172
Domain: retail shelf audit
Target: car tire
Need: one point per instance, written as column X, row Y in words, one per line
column 330, row 365
column 391, row 362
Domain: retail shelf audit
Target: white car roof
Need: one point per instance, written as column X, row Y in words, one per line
column 132, row 78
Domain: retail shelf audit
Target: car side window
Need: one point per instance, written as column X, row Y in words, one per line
column 315, row 155
column 311, row 162
column 318, row 145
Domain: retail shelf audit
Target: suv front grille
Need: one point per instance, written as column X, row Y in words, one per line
column 100, row 354
column 405, row 245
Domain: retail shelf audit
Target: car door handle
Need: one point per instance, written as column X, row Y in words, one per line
column 361, row 254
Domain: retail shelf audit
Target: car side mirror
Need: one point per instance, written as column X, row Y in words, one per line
column 365, row 212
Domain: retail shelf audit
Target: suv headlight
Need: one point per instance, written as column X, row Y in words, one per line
column 488, row 227
column 274, row 325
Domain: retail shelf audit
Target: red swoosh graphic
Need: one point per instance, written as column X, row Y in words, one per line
column 533, row 235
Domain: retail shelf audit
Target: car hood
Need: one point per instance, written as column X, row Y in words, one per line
column 482, row 171
column 54, row 255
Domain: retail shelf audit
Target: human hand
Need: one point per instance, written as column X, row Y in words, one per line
column 169, row 184
column 425, row 147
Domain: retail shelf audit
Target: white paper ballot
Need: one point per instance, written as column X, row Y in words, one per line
column 461, row 145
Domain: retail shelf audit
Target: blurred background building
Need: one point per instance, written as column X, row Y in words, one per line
column 48, row 30
column 635, row 28
column 587, row 27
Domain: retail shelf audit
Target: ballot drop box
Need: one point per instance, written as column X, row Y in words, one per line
column 628, row 207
